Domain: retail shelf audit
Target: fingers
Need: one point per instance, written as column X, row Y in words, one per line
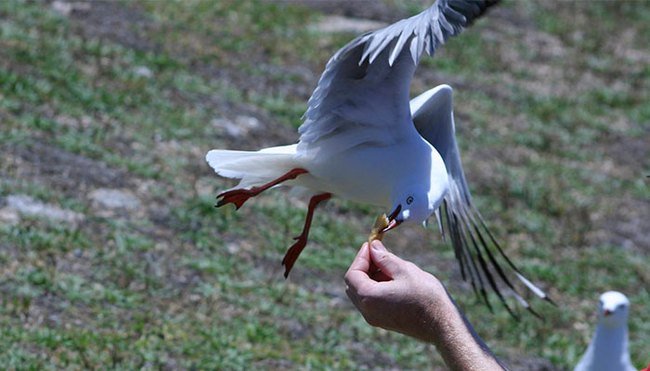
column 379, row 276
column 358, row 271
column 389, row 264
column 369, row 272
column 357, row 274
column 362, row 260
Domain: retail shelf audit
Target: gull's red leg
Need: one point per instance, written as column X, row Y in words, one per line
column 301, row 241
column 239, row 196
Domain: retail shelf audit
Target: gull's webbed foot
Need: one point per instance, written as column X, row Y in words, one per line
column 236, row 197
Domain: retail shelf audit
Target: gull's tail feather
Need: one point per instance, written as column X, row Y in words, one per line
column 253, row 167
column 480, row 256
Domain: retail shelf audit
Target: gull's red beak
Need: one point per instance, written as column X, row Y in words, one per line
column 392, row 219
column 392, row 224
column 606, row 313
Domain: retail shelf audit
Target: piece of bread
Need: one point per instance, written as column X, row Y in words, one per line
column 380, row 223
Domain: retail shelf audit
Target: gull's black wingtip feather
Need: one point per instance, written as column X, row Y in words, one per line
column 486, row 300
column 471, row 10
column 459, row 241
column 488, row 274
column 548, row 299
column 500, row 272
column 512, row 313
column 481, row 255
column 462, row 237
column 534, row 313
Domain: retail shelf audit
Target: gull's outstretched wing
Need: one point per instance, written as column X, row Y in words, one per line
column 480, row 257
column 363, row 94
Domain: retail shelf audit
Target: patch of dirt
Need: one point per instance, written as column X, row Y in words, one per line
column 627, row 220
column 631, row 155
column 28, row 206
column 295, row 80
column 372, row 358
column 60, row 169
column 126, row 24
column 273, row 364
column 338, row 24
column 368, row 9
column 530, row 364
column 626, row 224
column 122, row 23
column 265, row 132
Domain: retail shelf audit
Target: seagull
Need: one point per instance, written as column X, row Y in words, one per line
column 608, row 348
column 364, row 140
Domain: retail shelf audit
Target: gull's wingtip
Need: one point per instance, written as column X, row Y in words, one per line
column 548, row 299
column 474, row 244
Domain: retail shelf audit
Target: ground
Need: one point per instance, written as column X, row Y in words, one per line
column 112, row 254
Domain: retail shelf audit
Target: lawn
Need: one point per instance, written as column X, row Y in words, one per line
column 112, row 254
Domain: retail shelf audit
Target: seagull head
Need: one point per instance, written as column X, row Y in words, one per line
column 414, row 204
column 613, row 309
column 415, row 198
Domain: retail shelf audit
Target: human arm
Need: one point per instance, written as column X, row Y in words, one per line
column 396, row 295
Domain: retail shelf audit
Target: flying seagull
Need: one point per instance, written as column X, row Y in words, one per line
column 363, row 140
column 608, row 348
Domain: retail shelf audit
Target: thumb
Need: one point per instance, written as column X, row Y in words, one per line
column 389, row 263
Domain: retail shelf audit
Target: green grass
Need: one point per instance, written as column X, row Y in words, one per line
column 556, row 162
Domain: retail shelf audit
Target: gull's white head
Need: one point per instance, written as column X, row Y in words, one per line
column 613, row 309
column 411, row 206
column 415, row 202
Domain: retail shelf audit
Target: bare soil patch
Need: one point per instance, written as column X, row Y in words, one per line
column 58, row 168
column 119, row 22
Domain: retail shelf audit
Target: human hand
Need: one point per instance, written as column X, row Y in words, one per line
column 395, row 294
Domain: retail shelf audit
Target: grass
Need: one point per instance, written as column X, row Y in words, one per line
column 552, row 125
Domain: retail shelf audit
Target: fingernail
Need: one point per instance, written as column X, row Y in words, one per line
column 378, row 246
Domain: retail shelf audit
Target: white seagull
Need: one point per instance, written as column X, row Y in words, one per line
column 363, row 140
column 608, row 348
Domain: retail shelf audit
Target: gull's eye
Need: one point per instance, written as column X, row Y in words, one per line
column 409, row 200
